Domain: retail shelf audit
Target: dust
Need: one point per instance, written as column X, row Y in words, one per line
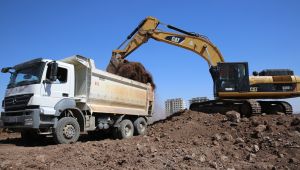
column 159, row 110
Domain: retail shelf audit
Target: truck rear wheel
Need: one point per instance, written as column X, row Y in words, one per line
column 66, row 131
column 140, row 126
column 125, row 130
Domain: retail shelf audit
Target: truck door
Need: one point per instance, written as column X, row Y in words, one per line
column 233, row 77
column 55, row 91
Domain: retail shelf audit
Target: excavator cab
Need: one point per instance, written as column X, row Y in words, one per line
column 230, row 77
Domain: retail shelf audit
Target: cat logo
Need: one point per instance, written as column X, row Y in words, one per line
column 175, row 39
column 253, row 89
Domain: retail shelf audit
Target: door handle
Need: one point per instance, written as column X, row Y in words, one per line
column 65, row 95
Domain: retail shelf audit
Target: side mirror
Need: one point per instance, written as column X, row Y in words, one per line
column 53, row 71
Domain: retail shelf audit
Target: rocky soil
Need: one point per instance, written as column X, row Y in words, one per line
column 188, row 140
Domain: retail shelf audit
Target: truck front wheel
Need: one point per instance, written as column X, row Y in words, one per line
column 66, row 131
column 140, row 126
column 125, row 130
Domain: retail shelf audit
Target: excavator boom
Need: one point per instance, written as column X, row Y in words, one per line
column 148, row 28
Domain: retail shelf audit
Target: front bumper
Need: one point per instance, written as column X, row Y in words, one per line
column 20, row 119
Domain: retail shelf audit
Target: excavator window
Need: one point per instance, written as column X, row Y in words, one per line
column 233, row 77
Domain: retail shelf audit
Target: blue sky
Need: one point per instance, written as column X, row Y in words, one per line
column 264, row 33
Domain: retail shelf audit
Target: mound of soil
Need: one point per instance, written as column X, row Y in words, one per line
column 187, row 140
column 132, row 70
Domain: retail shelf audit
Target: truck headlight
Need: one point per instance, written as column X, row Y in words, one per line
column 42, row 111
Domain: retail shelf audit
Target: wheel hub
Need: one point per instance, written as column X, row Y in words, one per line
column 69, row 131
column 127, row 130
column 142, row 126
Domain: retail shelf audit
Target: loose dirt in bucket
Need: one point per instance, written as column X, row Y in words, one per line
column 134, row 71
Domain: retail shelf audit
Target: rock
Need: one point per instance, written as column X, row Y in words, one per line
column 5, row 164
column 248, row 148
column 267, row 139
column 202, row 158
column 213, row 165
column 260, row 128
column 40, row 158
column 296, row 133
column 139, row 147
column 121, row 162
column 227, row 136
column 293, row 160
column 152, row 149
column 257, row 135
column 251, row 157
column 280, row 155
column 244, row 119
column 270, row 128
column 239, row 140
column 233, row 124
column 275, row 144
column 233, row 116
column 298, row 128
column 254, row 121
column 230, row 169
column 280, row 121
column 295, row 121
column 163, row 135
column 224, row 158
column 255, row 148
column 216, row 137
column 280, row 113
column 157, row 139
column 188, row 157
column 264, row 114
column 196, row 143
column 216, row 143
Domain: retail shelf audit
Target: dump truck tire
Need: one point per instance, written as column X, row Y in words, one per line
column 66, row 131
column 125, row 130
column 140, row 126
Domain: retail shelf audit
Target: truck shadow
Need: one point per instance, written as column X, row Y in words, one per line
column 47, row 141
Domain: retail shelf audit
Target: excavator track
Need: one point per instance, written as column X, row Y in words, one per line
column 273, row 107
column 245, row 107
column 255, row 106
column 287, row 107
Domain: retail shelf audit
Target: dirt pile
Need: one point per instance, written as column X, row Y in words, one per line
column 132, row 70
column 189, row 140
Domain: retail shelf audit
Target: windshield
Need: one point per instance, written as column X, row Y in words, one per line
column 27, row 74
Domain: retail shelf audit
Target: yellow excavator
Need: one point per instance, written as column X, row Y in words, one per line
column 234, row 89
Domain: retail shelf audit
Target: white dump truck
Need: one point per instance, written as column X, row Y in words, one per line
column 68, row 97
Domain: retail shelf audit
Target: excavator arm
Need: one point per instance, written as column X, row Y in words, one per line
column 148, row 28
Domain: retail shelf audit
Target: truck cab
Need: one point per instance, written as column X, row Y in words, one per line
column 35, row 87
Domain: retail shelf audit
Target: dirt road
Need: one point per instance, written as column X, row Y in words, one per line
column 190, row 140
